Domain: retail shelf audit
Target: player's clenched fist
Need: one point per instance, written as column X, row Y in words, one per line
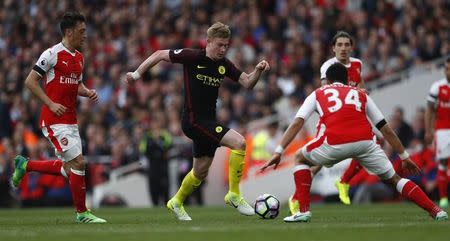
column 263, row 66
column 92, row 94
column 132, row 76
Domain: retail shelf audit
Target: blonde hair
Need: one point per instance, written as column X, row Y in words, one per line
column 219, row 30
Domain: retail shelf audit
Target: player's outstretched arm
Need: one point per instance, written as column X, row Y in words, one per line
column 393, row 140
column 287, row 138
column 377, row 118
column 249, row 80
column 303, row 113
column 32, row 83
column 151, row 61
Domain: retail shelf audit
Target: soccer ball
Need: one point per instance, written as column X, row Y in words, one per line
column 267, row 206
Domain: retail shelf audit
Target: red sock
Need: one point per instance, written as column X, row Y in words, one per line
column 351, row 171
column 413, row 192
column 78, row 188
column 442, row 182
column 302, row 177
column 43, row 166
column 361, row 177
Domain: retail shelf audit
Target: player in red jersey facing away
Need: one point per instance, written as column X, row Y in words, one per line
column 345, row 132
column 204, row 70
column 61, row 70
column 437, row 122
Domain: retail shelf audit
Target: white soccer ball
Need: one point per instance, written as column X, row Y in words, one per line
column 267, row 206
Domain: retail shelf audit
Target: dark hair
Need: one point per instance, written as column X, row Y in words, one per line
column 342, row 34
column 447, row 60
column 70, row 20
column 337, row 72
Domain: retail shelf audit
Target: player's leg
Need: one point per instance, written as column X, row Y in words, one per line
column 205, row 136
column 303, row 179
column 236, row 142
column 23, row 165
column 74, row 165
column 442, row 137
column 190, row 182
column 410, row 190
column 53, row 167
column 294, row 200
column 315, row 153
column 343, row 185
column 375, row 161
column 442, row 183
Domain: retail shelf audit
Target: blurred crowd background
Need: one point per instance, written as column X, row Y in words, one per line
column 129, row 121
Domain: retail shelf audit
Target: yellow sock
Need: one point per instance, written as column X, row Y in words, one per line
column 235, row 166
column 189, row 184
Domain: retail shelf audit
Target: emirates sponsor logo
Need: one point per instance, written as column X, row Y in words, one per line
column 444, row 104
column 73, row 79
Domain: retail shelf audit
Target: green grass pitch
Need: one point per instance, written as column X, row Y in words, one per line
column 329, row 222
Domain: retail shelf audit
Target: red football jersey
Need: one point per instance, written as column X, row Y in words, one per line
column 343, row 112
column 354, row 70
column 440, row 96
column 62, row 71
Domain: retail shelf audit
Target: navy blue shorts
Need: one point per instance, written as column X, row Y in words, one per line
column 206, row 135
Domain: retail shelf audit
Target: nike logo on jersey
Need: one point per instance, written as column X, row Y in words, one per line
column 200, row 67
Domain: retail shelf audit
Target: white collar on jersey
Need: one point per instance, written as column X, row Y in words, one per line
column 68, row 50
column 346, row 65
column 338, row 83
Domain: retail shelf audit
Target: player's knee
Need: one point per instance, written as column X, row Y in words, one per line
column 241, row 144
column 299, row 158
column 390, row 179
column 78, row 163
column 66, row 168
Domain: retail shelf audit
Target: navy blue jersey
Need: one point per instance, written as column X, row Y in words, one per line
column 202, row 79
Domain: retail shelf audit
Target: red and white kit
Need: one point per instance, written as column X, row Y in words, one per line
column 354, row 69
column 341, row 109
column 62, row 71
column 439, row 95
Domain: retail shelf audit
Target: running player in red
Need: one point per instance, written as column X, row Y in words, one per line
column 342, row 48
column 204, row 71
column 345, row 132
column 438, row 110
column 61, row 69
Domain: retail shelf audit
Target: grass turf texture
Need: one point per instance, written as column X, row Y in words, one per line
column 329, row 222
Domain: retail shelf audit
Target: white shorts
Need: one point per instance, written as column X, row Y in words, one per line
column 65, row 139
column 442, row 138
column 368, row 153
